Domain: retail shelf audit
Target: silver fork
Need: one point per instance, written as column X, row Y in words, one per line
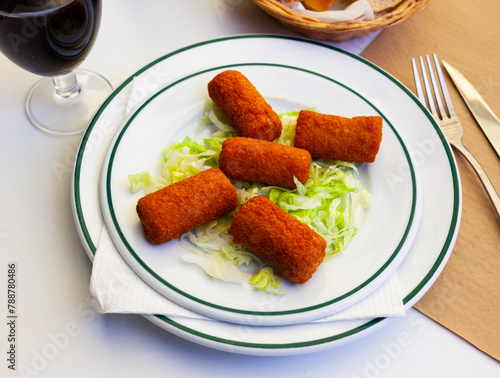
column 447, row 118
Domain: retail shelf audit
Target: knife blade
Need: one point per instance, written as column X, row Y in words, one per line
column 486, row 119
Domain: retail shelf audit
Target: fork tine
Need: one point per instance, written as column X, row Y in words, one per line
column 435, row 86
column 444, row 87
column 418, row 83
column 430, row 98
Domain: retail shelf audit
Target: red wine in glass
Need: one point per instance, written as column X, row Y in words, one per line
column 51, row 38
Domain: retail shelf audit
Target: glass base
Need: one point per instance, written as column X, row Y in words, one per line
column 68, row 115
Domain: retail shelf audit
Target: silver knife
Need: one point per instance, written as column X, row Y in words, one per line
column 487, row 120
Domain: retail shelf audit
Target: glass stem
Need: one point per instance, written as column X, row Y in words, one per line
column 66, row 85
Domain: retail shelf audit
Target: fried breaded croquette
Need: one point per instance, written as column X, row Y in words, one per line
column 181, row 207
column 244, row 107
column 295, row 248
column 354, row 139
column 264, row 162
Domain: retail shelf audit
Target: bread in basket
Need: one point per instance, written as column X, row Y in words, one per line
column 387, row 13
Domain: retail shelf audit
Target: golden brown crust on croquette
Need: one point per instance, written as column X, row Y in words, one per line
column 329, row 136
column 295, row 248
column 181, row 207
column 264, row 162
column 244, row 107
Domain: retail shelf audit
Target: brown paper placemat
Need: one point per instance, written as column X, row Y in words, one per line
column 466, row 296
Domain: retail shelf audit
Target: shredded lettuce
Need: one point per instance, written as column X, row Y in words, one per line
column 267, row 281
column 217, row 266
column 332, row 202
column 288, row 122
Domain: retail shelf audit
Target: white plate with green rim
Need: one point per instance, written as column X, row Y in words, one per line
column 368, row 261
column 440, row 182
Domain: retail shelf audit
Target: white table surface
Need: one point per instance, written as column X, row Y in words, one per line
column 58, row 333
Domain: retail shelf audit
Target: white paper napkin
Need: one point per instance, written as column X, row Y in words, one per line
column 357, row 11
column 116, row 288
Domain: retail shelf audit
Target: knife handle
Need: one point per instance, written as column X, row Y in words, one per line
column 482, row 175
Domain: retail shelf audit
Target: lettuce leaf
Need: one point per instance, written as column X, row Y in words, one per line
column 217, row 267
column 145, row 181
column 267, row 281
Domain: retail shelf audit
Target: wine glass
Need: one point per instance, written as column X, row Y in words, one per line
column 51, row 38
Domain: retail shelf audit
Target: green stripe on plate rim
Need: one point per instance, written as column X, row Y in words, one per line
column 164, row 282
column 406, row 300
column 292, row 345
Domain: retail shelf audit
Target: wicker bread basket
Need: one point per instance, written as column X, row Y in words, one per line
column 340, row 31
